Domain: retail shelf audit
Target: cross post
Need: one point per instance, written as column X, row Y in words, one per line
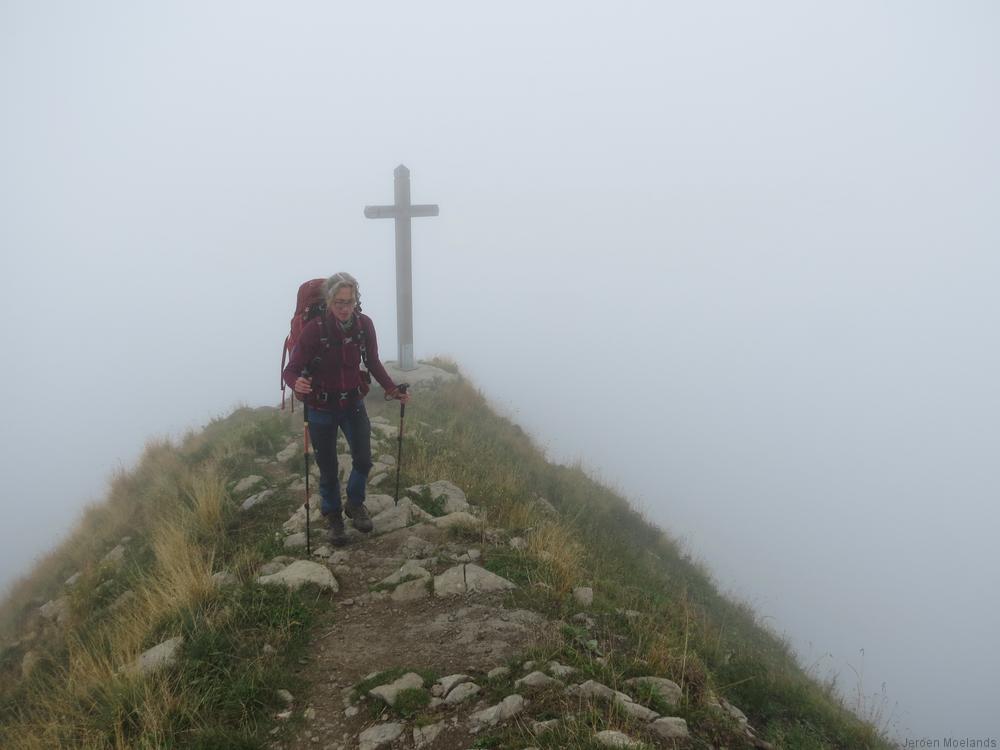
column 401, row 212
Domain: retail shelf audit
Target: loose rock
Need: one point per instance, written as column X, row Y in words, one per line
column 423, row 736
column 668, row 690
column 536, row 680
column 462, row 692
column 247, row 483
column 391, row 691
column 611, row 738
column 161, row 655
column 671, row 728
column 469, row 579
column 509, row 707
column 454, row 499
column 449, row 682
column 379, row 736
column 300, row 573
column 256, row 499
column 411, row 591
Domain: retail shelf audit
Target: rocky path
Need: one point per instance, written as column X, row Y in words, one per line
column 419, row 649
column 368, row 634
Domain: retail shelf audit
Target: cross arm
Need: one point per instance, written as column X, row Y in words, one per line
column 394, row 212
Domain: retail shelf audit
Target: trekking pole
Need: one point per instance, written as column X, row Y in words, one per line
column 305, row 443
column 399, row 455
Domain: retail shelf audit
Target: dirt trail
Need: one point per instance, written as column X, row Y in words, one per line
column 460, row 634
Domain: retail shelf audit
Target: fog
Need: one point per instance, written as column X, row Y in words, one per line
column 739, row 259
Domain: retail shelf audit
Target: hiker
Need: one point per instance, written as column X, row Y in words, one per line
column 324, row 371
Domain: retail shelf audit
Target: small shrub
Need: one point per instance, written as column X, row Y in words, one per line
column 411, row 701
column 426, row 502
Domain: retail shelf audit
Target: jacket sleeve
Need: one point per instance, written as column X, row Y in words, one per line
column 303, row 353
column 374, row 363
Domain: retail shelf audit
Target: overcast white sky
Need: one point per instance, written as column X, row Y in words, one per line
column 740, row 258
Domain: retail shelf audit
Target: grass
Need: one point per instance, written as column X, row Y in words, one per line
column 185, row 526
column 410, row 702
column 687, row 631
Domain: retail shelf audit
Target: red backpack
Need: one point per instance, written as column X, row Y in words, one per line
column 309, row 303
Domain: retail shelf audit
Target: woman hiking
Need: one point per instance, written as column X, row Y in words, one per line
column 324, row 371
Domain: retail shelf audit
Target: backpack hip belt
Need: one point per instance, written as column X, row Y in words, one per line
column 337, row 397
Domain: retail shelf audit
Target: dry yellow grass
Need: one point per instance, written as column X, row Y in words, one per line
column 134, row 499
column 556, row 546
column 517, row 514
column 205, row 490
column 96, row 670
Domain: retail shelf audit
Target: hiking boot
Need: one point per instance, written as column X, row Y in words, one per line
column 359, row 517
column 336, row 535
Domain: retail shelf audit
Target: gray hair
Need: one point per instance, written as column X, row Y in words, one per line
column 337, row 282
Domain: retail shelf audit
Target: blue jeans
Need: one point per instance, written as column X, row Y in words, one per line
column 323, row 426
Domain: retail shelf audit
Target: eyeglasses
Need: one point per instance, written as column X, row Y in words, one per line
column 344, row 303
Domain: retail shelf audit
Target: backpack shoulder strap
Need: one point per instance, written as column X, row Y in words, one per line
column 324, row 345
column 363, row 340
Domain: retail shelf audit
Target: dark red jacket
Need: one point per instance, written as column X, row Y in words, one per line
column 340, row 369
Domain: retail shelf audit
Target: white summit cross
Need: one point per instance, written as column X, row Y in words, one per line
column 402, row 211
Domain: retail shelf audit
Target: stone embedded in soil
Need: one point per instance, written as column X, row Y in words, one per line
column 410, row 569
column 454, row 499
column 730, row 709
column 594, row 690
column 56, row 609
column 560, row 670
column 247, row 483
column 536, row 680
column 414, row 546
column 300, row 573
column 469, row 579
column 286, row 453
column 459, row 518
column 671, row 728
column 379, row 504
column 423, row 736
column 270, row 568
column 611, row 738
column 390, row 692
column 398, row 517
column 461, row 693
column 114, row 557
column 509, row 707
column 378, row 736
column 449, row 682
column 410, row 591
column 256, row 499
column 668, row 690
column 297, row 521
column 637, row 710
column 161, row 655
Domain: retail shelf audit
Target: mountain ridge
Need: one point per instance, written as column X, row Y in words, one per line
column 613, row 598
